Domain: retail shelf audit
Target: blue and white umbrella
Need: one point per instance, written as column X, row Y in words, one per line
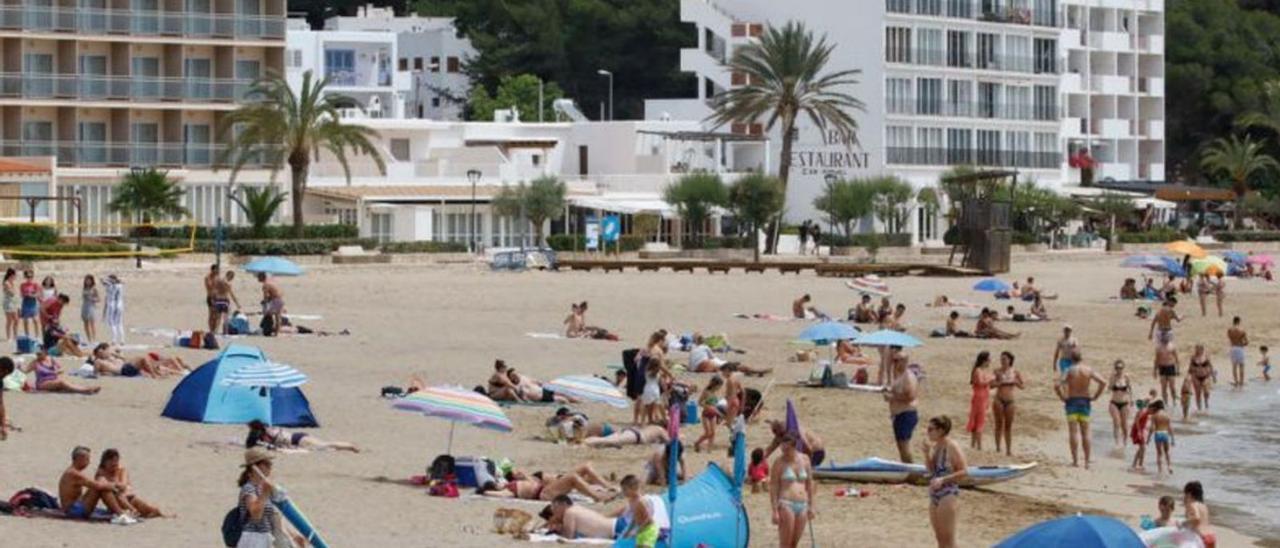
column 275, row 266
column 827, row 332
column 888, row 337
column 266, row 374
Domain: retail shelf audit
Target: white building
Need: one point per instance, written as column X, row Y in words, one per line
column 950, row 82
column 430, row 53
column 359, row 65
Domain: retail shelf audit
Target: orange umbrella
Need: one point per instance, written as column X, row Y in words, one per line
column 1186, row 247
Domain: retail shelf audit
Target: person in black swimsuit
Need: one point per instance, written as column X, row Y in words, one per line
column 1202, row 373
column 1121, row 397
column 1007, row 379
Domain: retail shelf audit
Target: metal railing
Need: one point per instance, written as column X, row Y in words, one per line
column 1005, row 110
column 120, row 87
column 975, row 59
column 992, row 11
column 103, row 154
column 942, row 156
column 134, row 22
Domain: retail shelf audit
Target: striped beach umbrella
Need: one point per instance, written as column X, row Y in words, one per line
column 588, row 388
column 266, row 374
column 456, row 404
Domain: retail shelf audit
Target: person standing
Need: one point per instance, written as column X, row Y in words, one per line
column 815, row 233
column 224, row 295
column 791, row 492
column 980, row 380
column 10, row 305
column 902, row 394
column 1239, row 339
column 210, row 289
column 947, row 467
column 1003, row 408
column 1162, row 435
column 1219, row 287
column 1065, row 350
column 1121, row 397
column 30, row 293
column 272, row 306
column 1165, row 370
column 1073, row 390
column 89, row 299
column 260, row 522
column 113, row 307
column 804, row 237
column 1163, row 321
column 1197, row 513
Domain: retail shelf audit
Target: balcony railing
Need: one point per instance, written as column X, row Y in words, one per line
column 976, row 59
column 993, row 11
column 1005, row 110
column 127, row 154
column 939, row 156
column 124, row 88
column 35, row 18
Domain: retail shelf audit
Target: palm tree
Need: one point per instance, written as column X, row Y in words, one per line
column 280, row 127
column 259, row 207
column 786, row 79
column 1238, row 159
column 147, row 194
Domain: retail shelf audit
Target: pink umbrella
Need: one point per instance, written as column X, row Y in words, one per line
column 1261, row 260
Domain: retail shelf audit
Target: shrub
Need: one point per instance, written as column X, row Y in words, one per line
column 56, row 250
column 1248, row 235
column 423, row 247
column 866, row 240
column 578, row 242
column 273, row 232
column 263, row 247
column 27, row 234
column 1157, row 235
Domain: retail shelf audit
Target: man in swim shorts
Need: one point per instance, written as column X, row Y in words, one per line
column 1065, row 350
column 1162, row 323
column 1073, row 390
column 1166, row 371
column 578, row 522
column 1239, row 339
column 210, row 282
column 902, row 396
column 79, row 493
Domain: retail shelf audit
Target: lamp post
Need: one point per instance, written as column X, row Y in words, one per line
column 473, row 175
column 609, row 75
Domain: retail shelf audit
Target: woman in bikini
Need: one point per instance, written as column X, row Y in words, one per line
column 536, row 486
column 1200, row 370
column 1203, row 288
column 947, row 467
column 631, row 435
column 1006, row 380
column 709, row 402
column 980, row 379
column 1121, row 397
column 791, row 493
column 277, row 438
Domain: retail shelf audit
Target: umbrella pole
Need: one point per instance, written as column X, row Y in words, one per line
column 452, row 425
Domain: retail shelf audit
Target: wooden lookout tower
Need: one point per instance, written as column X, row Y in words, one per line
column 983, row 232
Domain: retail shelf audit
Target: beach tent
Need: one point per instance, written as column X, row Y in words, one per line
column 202, row 396
column 706, row 514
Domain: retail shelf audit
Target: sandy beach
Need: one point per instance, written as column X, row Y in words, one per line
column 448, row 324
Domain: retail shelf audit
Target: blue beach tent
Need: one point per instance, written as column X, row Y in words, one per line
column 707, row 513
column 203, row 397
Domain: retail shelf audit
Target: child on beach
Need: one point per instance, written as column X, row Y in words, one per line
column 757, row 473
column 708, row 401
column 1138, row 432
column 1162, row 435
column 1166, row 513
column 1186, row 397
column 1265, row 362
column 641, row 527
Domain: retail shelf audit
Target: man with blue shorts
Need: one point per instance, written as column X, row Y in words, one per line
column 1073, row 390
column 1066, row 351
column 902, row 396
column 79, row 493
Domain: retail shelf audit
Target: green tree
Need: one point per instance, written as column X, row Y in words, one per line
column 520, row 92
column 1116, row 209
column 1239, row 160
column 755, row 200
column 147, row 195
column 788, row 78
column 694, row 196
column 259, row 206
column 283, row 128
column 537, row 201
column 890, row 205
column 846, row 202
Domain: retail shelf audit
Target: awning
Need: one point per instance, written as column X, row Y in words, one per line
column 629, row 205
column 1183, row 193
column 514, row 142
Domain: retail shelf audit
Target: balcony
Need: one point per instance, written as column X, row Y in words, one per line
column 1110, row 41
column 128, row 154
column 981, row 10
column 36, row 18
column 1110, row 84
column 980, row 60
column 1152, row 44
column 1151, row 86
column 1152, row 129
column 359, row 78
column 1071, row 82
column 1073, row 127
column 938, row 156
column 1004, row 110
column 1111, row 128
column 120, row 88
column 1113, row 170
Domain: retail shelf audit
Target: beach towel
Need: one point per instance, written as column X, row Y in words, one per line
column 766, row 317
column 534, row 335
column 539, row 537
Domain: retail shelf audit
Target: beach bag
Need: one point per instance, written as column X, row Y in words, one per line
column 195, row 340
column 860, row 376
column 31, row 498
column 268, row 327
column 232, row 528
column 447, row 489
column 210, row 341
column 238, row 325
column 26, row 345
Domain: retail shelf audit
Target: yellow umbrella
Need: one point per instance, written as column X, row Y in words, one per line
column 1186, row 247
column 1211, row 265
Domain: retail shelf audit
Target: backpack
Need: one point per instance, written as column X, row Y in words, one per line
column 232, row 527
column 441, row 468
column 267, row 325
column 210, row 341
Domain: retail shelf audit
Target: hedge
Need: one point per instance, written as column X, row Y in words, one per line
column 423, row 247
column 56, row 250
column 271, row 232
column 1023, row 238
column 718, row 242
column 578, row 242
column 26, row 234
column 1247, row 235
column 865, row 240
column 1158, row 235
column 262, row 247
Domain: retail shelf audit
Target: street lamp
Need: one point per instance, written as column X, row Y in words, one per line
column 473, row 175
column 605, row 73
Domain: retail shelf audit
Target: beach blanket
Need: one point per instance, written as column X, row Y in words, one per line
column 536, row 335
column 539, row 537
column 766, row 317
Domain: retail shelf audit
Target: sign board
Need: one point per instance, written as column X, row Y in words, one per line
column 611, row 228
column 593, row 234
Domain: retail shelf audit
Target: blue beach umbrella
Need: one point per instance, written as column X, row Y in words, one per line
column 888, row 337
column 1235, row 257
column 1074, row 532
column 1143, row 261
column 1171, row 266
column 827, row 332
column 991, row 285
column 275, row 266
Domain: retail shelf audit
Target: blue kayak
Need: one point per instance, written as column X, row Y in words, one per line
column 877, row 470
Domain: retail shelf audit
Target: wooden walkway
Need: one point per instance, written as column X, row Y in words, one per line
column 846, row 270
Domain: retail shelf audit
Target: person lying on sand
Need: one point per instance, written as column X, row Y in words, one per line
column 573, row 521
column 278, row 438
column 703, row 360
column 631, row 435
column 532, row 390
column 574, row 427
column 107, row 360
column 79, row 494
column 49, row 376
column 576, row 325
column 110, row 470
column 847, row 353
column 537, row 486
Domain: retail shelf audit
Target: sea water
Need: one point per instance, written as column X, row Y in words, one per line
column 1234, row 451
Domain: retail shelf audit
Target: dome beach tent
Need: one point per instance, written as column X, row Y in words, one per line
column 707, row 513
column 205, row 396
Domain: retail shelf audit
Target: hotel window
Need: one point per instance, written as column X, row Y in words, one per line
column 417, row 63
column 454, row 65
column 929, row 46
column 988, row 99
column 435, row 102
column 929, row 96
column 1019, row 149
column 959, row 44
column 959, row 98
column 897, row 45
column 959, row 146
column 435, row 64
column 929, row 142
column 1046, row 106
column 400, row 150
column 960, row 8
column 898, row 95
column 929, row 7
column 403, row 66
column 1018, row 104
column 986, row 51
column 898, row 144
column 897, row 6
column 1017, row 51
column 988, row 153
column 1046, row 13
column 1046, row 51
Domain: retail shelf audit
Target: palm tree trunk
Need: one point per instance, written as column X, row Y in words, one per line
column 784, row 175
column 755, row 242
column 298, row 173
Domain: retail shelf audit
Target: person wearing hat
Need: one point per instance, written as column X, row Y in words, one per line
column 259, row 519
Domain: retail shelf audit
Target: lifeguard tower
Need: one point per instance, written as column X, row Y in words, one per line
column 983, row 232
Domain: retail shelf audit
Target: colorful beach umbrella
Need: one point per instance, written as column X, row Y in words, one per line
column 1208, row 265
column 456, row 404
column 1171, row 537
column 1261, row 260
column 275, row 266
column 589, row 388
column 1074, row 532
column 266, row 374
column 888, row 337
column 827, row 332
column 1186, row 247
column 869, row 285
column 1156, row 263
column 991, row 285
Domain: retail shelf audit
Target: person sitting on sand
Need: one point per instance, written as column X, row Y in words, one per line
column 864, row 312
column 576, row 325
column 1129, row 291
column 278, row 438
column 1166, row 506
column 1030, row 291
column 500, row 387
column 810, row 444
column 1149, row 290
column 79, row 494
column 272, row 306
column 655, row 469
column 537, row 486
column 632, row 435
column 953, row 326
column 701, row 358
column 1073, row 390
column 532, row 390
column 986, row 327
column 573, row 521
column 801, row 310
column 110, row 470
column 1038, row 310
column 49, row 376
column 848, row 353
